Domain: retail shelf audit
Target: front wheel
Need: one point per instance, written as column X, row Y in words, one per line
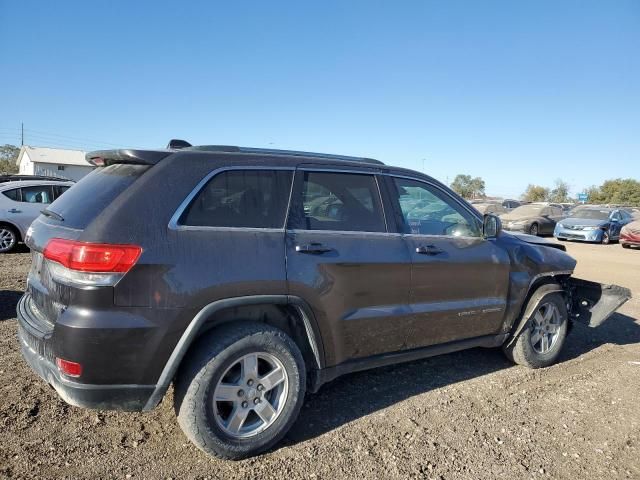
column 606, row 239
column 533, row 229
column 540, row 341
column 240, row 390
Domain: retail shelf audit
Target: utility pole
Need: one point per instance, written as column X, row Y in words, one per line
column 22, row 134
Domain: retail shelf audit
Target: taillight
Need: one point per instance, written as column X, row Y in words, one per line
column 89, row 263
column 71, row 369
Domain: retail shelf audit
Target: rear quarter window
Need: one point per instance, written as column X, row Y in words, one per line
column 13, row 194
column 86, row 199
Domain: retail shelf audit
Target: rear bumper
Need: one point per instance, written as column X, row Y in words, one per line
column 578, row 235
column 36, row 343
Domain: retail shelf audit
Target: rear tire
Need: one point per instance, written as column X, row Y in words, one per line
column 8, row 238
column 540, row 341
column 220, row 400
column 534, row 229
column 626, row 245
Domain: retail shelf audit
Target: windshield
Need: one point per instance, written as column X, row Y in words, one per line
column 527, row 210
column 593, row 214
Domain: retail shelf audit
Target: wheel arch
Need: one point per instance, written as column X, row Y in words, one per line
column 15, row 227
column 291, row 314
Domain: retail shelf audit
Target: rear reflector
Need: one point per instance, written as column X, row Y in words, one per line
column 71, row 369
column 92, row 257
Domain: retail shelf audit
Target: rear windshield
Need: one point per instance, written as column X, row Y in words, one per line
column 87, row 198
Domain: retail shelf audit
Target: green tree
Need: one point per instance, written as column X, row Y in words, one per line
column 625, row 191
column 593, row 194
column 535, row 193
column 560, row 194
column 8, row 157
column 468, row 186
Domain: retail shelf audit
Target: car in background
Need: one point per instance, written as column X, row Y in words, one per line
column 594, row 224
column 630, row 234
column 21, row 202
column 534, row 218
column 511, row 204
column 495, row 208
column 17, row 178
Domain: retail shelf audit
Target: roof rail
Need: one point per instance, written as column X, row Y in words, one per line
column 292, row 153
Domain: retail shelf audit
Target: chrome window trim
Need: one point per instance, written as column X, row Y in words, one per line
column 173, row 222
column 344, row 232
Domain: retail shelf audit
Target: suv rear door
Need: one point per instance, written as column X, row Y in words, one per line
column 31, row 201
column 459, row 280
column 346, row 264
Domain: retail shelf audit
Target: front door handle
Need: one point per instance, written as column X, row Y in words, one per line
column 13, row 210
column 428, row 250
column 313, row 248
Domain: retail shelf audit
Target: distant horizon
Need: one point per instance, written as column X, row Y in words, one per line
column 516, row 93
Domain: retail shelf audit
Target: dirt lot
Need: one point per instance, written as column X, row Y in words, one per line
column 465, row 415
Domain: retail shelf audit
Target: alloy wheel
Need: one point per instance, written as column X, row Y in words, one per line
column 7, row 239
column 533, row 230
column 545, row 327
column 250, row 395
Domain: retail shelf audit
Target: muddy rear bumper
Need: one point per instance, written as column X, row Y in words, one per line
column 592, row 303
column 36, row 345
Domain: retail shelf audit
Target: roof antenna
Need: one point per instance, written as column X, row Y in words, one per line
column 177, row 144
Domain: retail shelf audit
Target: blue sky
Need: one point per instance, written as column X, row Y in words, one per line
column 517, row 92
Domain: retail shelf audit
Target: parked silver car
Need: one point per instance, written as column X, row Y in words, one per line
column 20, row 203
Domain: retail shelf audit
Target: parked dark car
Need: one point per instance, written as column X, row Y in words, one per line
column 511, row 204
column 533, row 218
column 600, row 225
column 247, row 277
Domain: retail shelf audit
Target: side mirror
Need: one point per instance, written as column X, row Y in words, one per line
column 491, row 226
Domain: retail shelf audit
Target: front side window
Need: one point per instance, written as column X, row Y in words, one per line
column 338, row 201
column 241, row 198
column 428, row 211
column 39, row 194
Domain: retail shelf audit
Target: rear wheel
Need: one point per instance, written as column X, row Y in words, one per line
column 540, row 341
column 533, row 229
column 240, row 390
column 8, row 238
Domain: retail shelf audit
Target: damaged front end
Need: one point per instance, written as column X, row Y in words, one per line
column 591, row 303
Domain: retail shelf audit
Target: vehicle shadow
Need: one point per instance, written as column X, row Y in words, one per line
column 8, row 302
column 360, row 394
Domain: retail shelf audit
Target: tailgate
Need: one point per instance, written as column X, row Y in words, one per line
column 592, row 303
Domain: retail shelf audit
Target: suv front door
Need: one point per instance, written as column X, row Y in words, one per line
column 344, row 262
column 459, row 280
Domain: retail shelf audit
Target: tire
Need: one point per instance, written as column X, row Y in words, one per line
column 526, row 349
column 606, row 239
column 221, row 354
column 534, row 229
column 625, row 245
column 8, row 238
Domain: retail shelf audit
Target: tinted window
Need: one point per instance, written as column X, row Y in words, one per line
column 37, row 194
column 428, row 211
column 12, row 194
column 242, row 198
column 338, row 201
column 59, row 190
column 94, row 193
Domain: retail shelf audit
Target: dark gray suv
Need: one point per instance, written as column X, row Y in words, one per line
column 247, row 277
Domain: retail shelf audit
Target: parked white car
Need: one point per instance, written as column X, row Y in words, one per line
column 20, row 203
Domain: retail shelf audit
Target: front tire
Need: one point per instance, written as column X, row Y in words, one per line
column 606, row 239
column 539, row 343
column 534, row 229
column 240, row 390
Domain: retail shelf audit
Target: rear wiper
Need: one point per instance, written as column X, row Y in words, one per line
column 49, row 213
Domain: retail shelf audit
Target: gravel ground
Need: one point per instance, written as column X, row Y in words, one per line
column 464, row 415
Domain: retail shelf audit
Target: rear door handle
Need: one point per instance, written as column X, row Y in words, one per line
column 313, row 248
column 428, row 250
column 13, row 210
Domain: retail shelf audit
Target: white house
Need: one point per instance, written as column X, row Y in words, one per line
column 53, row 162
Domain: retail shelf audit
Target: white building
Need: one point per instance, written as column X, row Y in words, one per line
column 53, row 162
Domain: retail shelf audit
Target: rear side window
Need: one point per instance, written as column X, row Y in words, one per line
column 241, row 199
column 95, row 192
column 338, row 201
column 12, row 194
column 37, row 194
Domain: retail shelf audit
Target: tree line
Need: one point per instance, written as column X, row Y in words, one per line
column 621, row 191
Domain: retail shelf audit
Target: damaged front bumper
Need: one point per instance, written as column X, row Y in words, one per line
column 591, row 303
